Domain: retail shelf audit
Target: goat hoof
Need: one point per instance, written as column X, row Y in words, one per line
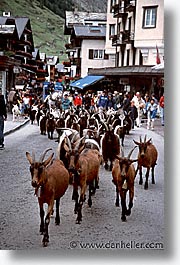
column 123, row 218
column 128, row 212
column 106, row 167
column 57, row 222
column 117, row 204
column 140, row 182
column 89, row 203
column 146, row 186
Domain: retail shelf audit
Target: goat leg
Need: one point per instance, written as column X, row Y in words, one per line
column 131, row 196
column 47, row 221
column 117, row 197
column 147, row 176
column 42, row 220
column 123, row 205
column 79, row 212
column 57, row 219
column 153, row 181
column 140, row 174
column 91, row 187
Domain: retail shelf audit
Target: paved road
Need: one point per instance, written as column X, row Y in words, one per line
column 101, row 226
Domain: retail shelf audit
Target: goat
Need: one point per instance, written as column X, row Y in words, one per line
column 50, row 125
column 123, row 174
column 110, row 145
column 84, row 165
column 32, row 113
column 16, row 112
column 147, row 158
column 42, row 124
column 121, row 131
column 50, row 180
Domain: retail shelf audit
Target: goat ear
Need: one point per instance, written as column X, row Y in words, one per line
column 136, row 142
column 48, row 160
column 29, row 158
column 149, row 141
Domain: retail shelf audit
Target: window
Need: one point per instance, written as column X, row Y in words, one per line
column 149, row 19
column 98, row 54
column 111, row 30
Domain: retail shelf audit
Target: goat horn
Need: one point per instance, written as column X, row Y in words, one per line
column 122, row 151
column 43, row 155
column 106, row 126
column 78, row 143
column 130, row 153
column 145, row 139
column 69, row 143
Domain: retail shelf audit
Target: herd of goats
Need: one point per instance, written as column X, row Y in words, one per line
column 86, row 141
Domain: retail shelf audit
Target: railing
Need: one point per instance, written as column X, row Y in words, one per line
column 124, row 37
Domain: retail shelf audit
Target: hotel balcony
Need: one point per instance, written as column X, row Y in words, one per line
column 124, row 37
column 119, row 10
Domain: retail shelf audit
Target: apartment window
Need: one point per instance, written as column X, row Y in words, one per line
column 111, row 30
column 113, row 2
column 98, row 54
column 149, row 19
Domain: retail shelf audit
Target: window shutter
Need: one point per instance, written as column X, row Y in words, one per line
column 90, row 54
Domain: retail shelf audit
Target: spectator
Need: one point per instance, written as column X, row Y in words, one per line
column 161, row 104
column 140, row 104
column 87, row 101
column 102, row 102
column 3, row 117
column 151, row 113
column 110, row 102
column 126, row 103
column 11, row 98
column 133, row 113
column 65, row 102
column 77, row 100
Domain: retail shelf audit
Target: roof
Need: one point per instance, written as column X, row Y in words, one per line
column 90, row 31
column 86, row 81
column 74, row 17
column 128, row 70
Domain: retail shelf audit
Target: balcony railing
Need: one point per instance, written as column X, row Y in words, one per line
column 131, row 5
column 119, row 10
column 124, row 37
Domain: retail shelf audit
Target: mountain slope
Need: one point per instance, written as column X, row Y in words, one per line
column 47, row 26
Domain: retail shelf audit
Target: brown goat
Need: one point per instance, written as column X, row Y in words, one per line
column 123, row 174
column 50, row 180
column 147, row 158
column 84, row 165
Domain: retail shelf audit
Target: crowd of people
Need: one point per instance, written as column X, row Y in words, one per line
column 137, row 105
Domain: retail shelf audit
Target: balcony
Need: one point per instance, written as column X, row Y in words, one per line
column 124, row 37
column 116, row 40
column 119, row 10
column 131, row 6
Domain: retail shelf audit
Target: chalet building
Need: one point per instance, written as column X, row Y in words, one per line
column 135, row 36
column 86, row 47
column 20, row 62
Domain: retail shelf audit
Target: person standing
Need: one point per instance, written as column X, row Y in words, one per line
column 151, row 114
column 3, row 117
column 140, row 104
column 161, row 104
column 65, row 102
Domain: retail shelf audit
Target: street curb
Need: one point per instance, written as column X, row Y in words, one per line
column 16, row 128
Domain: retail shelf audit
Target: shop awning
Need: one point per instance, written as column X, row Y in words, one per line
column 86, row 81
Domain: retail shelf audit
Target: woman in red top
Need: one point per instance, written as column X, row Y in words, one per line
column 77, row 100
